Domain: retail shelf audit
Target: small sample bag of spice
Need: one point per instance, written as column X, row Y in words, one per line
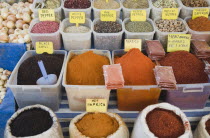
column 76, row 38
column 154, row 49
column 47, row 4
column 200, row 48
column 99, row 5
column 150, row 123
column 199, row 28
column 158, row 5
column 203, row 128
column 107, row 35
column 77, row 6
column 139, row 29
column 36, row 121
column 129, row 5
column 45, row 31
column 165, row 27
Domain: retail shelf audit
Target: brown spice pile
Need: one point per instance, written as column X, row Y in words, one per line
column 199, row 24
column 208, row 126
column 97, row 125
column 164, row 123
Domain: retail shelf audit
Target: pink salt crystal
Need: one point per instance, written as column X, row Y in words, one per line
column 45, row 27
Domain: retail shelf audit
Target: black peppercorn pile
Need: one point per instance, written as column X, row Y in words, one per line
column 77, row 4
column 107, row 27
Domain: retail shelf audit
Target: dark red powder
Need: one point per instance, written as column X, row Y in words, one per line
column 188, row 69
column 165, row 123
column 45, row 27
column 77, row 4
column 208, row 126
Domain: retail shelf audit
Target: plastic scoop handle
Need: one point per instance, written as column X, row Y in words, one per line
column 42, row 68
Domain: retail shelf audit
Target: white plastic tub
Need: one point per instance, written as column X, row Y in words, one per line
column 76, row 41
column 48, row 95
column 127, row 11
column 87, row 11
column 139, row 35
column 77, row 94
column 107, row 41
column 163, row 36
column 97, row 11
column 157, row 12
column 58, row 11
column 55, row 38
column 198, row 35
column 187, row 11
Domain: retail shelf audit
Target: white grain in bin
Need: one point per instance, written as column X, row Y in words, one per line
column 200, row 131
column 122, row 131
column 141, row 129
column 54, row 132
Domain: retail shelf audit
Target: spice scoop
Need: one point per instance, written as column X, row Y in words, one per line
column 46, row 79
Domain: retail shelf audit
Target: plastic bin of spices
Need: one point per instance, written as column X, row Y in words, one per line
column 107, row 41
column 55, row 37
column 198, row 35
column 77, row 94
column 135, row 97
column 68, row 10
column 76, row 41
column 188, row 11
column 48, row 95
column 58, row 11
column 127, row 11
column 139, row 35
column 96, row 11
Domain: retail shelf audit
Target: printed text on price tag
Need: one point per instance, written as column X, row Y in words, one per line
column 132, row 43
column 200, row 12
column 77, row 17
column 177, row 42
column 138, row 15
column 108, row 15
column 170, row 13
column 96, row 105
column 42, row 47
column 46, row 15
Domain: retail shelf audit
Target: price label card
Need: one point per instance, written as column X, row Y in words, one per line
column 138, row 15
column 96, row 105
column 170, row 13
column 46, row 15
column 108, row 15
column 77, row 17
column 132, row 43
column 200, row 12
column 42, row 47
column 177, row 42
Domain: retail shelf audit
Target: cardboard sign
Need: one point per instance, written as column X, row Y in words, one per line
column 138, row 15
column 132, row 43
column 108, row 15
column 96, row 105
column 200, row 12
column 170, row 13
column 46, row 15
column 42, row 47
column 77, row 18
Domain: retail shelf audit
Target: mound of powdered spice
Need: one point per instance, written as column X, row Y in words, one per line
column 102, row 4
column 45, row 27
column 136, row 4
column 139, row 27
column 195, row 3
column 137, row 68
column 97, row 125
column 86, row 69
column 75, row 29
column 187, row 68
column 107, row 27
column 208, row 126
column 31, row 122
column 165, row 123
column 77, row 4
column 199, row 24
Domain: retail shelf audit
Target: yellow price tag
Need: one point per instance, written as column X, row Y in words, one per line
column 96, row 105
column 200, row 12
column 170, row 13
column 132, row 43
column 177, row 42
column 42, row 47
column 108, row 15
column 46, row 15
column 77, row 17
column 138, row 15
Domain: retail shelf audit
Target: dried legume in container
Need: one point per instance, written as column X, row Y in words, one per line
column 195, row 3
column 107, row 35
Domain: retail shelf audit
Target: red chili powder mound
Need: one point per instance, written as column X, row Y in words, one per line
column 208, row 126
column 97, row 125
column 165, row 123
column 188, row 69
column 137, row 68
column 199, row 24
column 45, row 27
